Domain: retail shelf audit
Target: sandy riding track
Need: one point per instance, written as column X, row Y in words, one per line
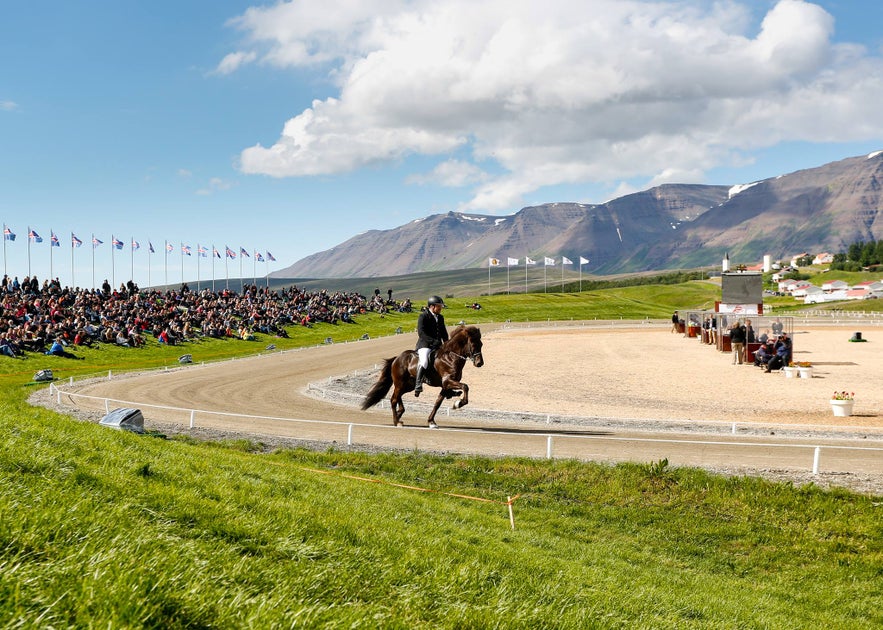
column 601, row 392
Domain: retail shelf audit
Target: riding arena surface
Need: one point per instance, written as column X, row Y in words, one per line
column 604, row 391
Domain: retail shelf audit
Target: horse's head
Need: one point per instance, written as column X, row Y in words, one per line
column 471, row 344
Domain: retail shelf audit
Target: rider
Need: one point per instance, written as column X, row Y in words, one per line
column 431, row 333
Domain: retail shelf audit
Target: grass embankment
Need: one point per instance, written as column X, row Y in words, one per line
column 106, row 528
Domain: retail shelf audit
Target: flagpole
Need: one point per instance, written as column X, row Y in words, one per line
column 113, row 277
column 166, row 257
column 93, row 260
column 29, row 251
column 149, row 247
column 254, row 269
column 4, row 249
column 213, row 267
column 51, row 272
column 267, row 269
column 73, row 284
column 197, row 267
column 182, row 264
column 132, row 260
column 489, row 278
column 525, row 274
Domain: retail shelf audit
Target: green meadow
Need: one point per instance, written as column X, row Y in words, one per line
column 102, row 528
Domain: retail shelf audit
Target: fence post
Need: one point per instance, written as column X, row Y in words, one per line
column 192, row 417
column 815, row 460
column 549, row 447
column 349, row 435
column 106, row 405
column 109, row 374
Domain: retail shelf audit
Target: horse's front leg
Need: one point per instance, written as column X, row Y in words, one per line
column 464, row 399
column 438, row 402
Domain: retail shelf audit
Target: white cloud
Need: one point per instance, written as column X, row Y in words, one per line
column 8, row 106
column 232, row 62
column 452, row 173
column 215, row 184
column 558, row 92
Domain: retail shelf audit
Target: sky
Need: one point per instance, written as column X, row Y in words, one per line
column 289, row 127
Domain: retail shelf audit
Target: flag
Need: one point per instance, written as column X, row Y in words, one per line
column 529, row 261
column 566, row 261
column 135, row 245
column 230, row 253
column 513, row 261
column 53, row 239
column 8, row 234
column 215, row 252
column 169, row 247
column 32, row 234
column 201, row 251
column 270, row 257
column 243, row 252
column 116, row 242
column 96, row 242
column 550, row 262
column 185, row 249
column 258, row 257
column 583, row 261
column 493, row 262
column 150, row 249
column 75, row 242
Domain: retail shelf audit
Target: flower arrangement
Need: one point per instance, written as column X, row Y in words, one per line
column 804, row 364
column 843, row 396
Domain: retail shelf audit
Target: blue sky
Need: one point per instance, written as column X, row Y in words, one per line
column 290, row 127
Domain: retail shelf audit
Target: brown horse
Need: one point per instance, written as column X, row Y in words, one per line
column 398, row 373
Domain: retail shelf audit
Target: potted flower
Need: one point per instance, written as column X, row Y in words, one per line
column 842, row 402
column 791, row 370
column 805, row 369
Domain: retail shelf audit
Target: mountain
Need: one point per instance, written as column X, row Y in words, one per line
column 667, row 227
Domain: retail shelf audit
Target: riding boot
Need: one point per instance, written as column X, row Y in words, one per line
column 418, row 386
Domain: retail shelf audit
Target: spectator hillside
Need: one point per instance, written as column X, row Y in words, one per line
column 34, row 315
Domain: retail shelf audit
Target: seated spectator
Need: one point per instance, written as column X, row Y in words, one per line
column 57, row 349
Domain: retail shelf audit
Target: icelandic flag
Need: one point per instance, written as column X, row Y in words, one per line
column 243, row 252
column 116, row 242
column 8, row 234
column 583, row 261
column 550, row 262
column 32, row 234
column 258, row 257
column 270, row 257
column 230, row 253
column 53, row 239
column 75, row 242
column 96, row 242
column 566, row 261
column 201, row 251
column 135, row 245
column 150, row 249
column 513, row 262
column 169, row 247
column 215, row 252
column 185, row 249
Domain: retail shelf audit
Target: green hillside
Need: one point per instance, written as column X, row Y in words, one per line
column 100, row 528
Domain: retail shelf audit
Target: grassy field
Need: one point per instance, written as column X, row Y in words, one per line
column 100, row 528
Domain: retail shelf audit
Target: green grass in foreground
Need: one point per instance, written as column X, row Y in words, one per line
column 105, row 528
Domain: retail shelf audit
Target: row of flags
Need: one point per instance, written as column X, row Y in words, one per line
column 116, row 243
column 549, row 262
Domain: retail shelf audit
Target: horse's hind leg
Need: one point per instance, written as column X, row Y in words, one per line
column 398, row 408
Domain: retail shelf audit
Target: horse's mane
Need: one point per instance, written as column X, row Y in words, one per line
column 461, row 336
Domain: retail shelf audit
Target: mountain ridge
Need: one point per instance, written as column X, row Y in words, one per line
column 670, row 226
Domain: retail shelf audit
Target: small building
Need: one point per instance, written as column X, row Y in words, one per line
column 835, row 285
column 823, row 259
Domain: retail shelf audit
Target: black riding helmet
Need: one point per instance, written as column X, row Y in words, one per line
column 435, row 300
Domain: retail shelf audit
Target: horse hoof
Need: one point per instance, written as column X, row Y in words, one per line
column 433, row 425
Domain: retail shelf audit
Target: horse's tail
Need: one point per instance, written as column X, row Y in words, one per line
column 379, row 390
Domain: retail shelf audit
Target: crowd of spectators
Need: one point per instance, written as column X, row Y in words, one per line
column 34, row 315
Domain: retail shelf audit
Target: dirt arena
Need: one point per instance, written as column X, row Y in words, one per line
column 648, row 380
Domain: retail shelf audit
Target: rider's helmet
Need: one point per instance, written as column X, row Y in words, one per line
column 435, row 300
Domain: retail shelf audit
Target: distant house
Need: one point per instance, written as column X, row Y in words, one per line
column 823, row 259
column 869, row 285
column 857, row 294
column 794, row 259
column 800, row 289
column 814, row 295
column 834, row 285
